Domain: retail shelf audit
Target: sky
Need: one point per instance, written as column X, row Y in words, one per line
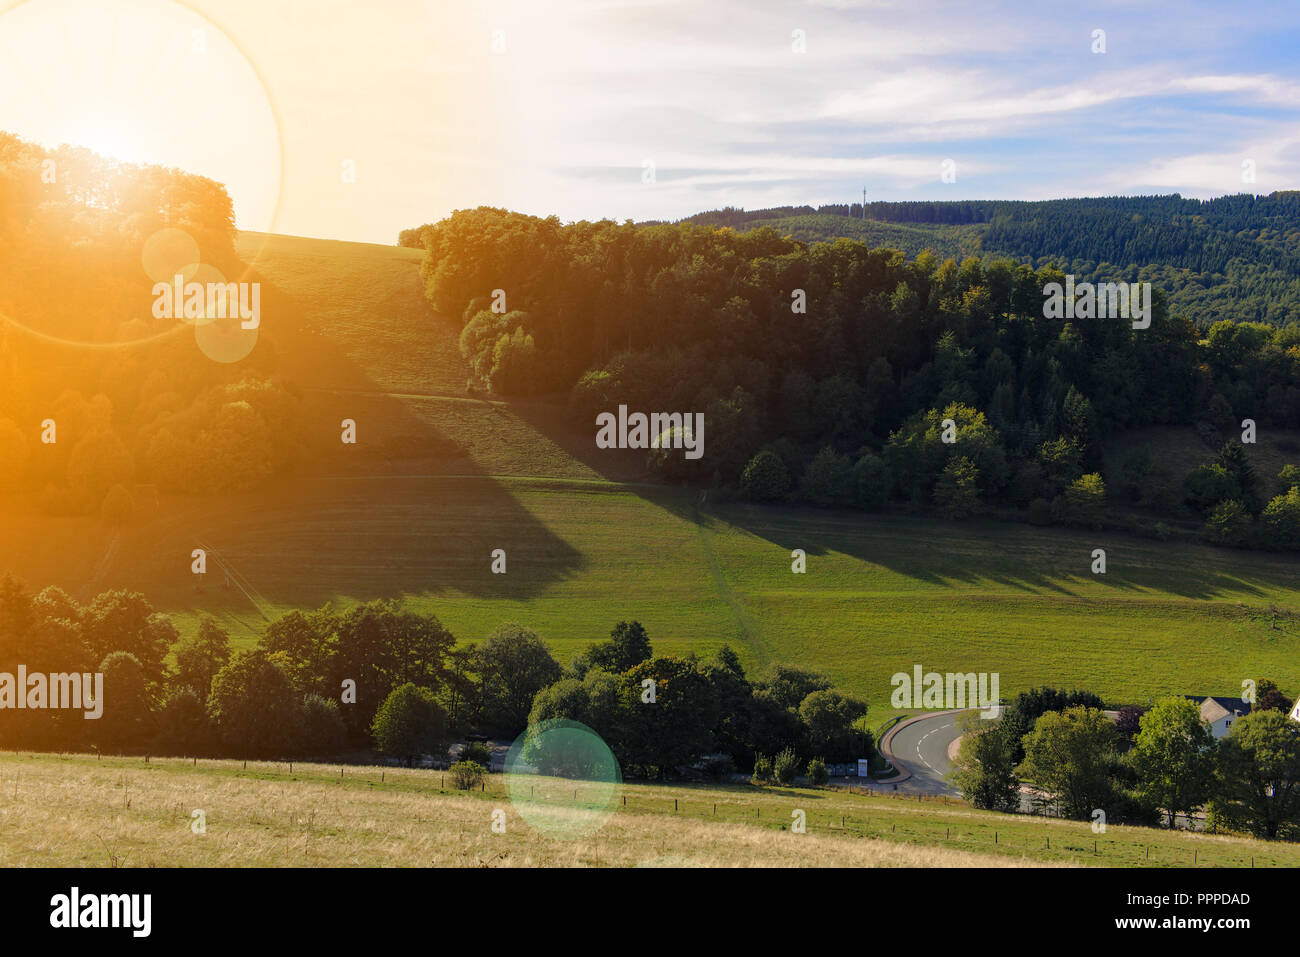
column 349, row 120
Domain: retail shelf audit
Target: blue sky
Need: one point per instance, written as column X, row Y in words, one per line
column 1012, row 93
column 560, row 116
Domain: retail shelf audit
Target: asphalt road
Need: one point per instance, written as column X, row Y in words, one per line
column 922, row 747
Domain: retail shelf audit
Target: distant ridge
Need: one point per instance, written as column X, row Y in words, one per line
column 1234, row 257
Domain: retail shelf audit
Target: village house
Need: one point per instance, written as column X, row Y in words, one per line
column 1219, row 712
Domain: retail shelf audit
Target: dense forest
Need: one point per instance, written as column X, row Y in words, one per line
column 827, row 372
column 131, row 397
column 1234, row 257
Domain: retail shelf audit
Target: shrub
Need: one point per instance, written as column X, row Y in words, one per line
column 478, row 752
column 817, row 773
column 790, row 457
column 762, row 769
column 1083, row 502
column 1281, row 520
column 765, row 478
column 514, row 363
column 785, row 766
column 467, row 774
column 1229, row 524
column 409, row 723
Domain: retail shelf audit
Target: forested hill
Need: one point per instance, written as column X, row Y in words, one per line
column 1235, row 257
column 826, row 371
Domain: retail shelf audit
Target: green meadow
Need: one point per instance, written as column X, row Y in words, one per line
column 441, row 476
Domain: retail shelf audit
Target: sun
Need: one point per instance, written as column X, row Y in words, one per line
column 110, row 140
column 143, row 82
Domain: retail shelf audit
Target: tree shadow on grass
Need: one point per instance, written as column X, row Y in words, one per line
column 404, row 511
column 942, row 553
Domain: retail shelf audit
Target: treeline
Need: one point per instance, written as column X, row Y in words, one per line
column 947, row 212
column 131, row 397
column 1201, row 235
column 1234, row 257
column 380, row 677
column 844, row 403
column 1147, row 766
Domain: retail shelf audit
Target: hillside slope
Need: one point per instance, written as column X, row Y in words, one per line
column 440, row 477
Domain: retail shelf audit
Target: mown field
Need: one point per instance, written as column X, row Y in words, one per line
column 440, row 477
column 77, row 811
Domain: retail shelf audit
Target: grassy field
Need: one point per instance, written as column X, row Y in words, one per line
column 74, row 810
column 440, row 477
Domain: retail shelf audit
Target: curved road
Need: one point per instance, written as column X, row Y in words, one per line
column 921, row 746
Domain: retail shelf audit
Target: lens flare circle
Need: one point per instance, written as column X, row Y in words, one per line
column 562, row 779
column 152, row 260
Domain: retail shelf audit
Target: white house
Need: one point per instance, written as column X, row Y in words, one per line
column 1219, row 713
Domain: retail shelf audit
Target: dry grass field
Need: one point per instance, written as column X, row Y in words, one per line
column 75, row 810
